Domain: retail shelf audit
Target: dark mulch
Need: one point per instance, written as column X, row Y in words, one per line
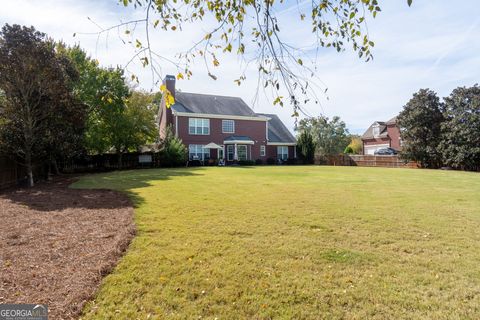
column 57, row 243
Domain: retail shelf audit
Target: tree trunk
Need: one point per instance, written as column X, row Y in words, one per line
column 120, row 160
column 28, row 165
column 55, row 166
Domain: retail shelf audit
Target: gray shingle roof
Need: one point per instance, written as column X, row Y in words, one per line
column 277, row 131
column 383, row 129
column 211, row 104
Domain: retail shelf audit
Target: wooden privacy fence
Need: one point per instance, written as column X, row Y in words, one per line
column 8, row 173
column 13, row 174
column 365, row 161
column 108, row 162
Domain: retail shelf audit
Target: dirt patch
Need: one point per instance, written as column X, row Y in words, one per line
column 57, row 243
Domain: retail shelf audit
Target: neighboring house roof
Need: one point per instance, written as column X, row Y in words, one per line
column 392, row 121
column 211, row 104
column 383, row 129
column 277, row 131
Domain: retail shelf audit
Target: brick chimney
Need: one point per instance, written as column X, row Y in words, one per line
column 165, row 115
column 169, row 82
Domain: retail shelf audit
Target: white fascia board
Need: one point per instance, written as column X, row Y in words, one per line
column 238, row 142
column 281, row 143
column 219, row 116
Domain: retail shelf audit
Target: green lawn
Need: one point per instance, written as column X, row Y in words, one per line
column 296, row 243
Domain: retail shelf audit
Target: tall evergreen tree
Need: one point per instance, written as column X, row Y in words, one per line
column 420, row 123
column 306, row 146
column 460, row 145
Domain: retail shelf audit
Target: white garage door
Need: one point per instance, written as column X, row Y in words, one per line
column 372, row 148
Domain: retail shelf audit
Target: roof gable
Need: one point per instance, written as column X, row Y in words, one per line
column 368, row 134
column 277, row 131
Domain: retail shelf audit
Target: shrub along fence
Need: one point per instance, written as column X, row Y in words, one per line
column 365, row 161
column 108, row 162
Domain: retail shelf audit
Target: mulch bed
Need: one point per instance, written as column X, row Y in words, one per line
column 57, row 243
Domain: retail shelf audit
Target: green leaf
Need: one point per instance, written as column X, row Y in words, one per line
column 409, row 2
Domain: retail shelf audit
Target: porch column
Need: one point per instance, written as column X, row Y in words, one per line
column 235, row 154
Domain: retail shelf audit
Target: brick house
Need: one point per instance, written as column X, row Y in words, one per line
column 382, row 135
column 220, row 127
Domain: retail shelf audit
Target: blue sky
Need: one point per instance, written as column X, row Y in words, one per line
column 434, row 44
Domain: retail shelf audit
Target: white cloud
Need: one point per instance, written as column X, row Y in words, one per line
column 431, row 44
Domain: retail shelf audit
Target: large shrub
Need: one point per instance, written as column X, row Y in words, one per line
column 173, row 152
column 306, row 146
column 246, row 162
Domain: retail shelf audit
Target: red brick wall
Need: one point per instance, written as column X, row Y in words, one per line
column 256, row 130
column 394, row 134
column 272, row 152
column 376, row 141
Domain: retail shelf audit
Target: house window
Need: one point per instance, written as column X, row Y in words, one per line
column 220, row 153
column 242, row 152
column 228, row 126
column 262, row 151
column 282, row 152
column 230, row 152
column 376, row 131
column 198, row 152
column 198, row 126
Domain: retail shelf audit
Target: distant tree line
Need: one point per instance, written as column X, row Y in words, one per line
column 56, row 103
column 439, row 133
column 323, row 136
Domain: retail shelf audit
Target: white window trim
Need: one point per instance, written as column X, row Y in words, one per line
column 196, row 126
column 233, row 125
column 202, row 148
column 263, row 150
column 376, row 130
column 280, row 155
column 233, row 152
column 241, row 146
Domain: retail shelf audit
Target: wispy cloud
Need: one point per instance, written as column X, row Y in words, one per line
column 431, row 44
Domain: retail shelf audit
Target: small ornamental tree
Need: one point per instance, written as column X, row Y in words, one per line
column 306, row 146
column 355, row 146
column 460, row 143
column 420, row 123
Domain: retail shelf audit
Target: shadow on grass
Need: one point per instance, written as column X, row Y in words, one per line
column 96, row 191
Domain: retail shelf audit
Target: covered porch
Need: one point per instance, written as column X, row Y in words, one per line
column 238, row 148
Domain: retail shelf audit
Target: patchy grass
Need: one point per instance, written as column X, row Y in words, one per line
column 296, row 242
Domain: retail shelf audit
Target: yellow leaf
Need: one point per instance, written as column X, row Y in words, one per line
column 179, row 76
column 169, row 101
